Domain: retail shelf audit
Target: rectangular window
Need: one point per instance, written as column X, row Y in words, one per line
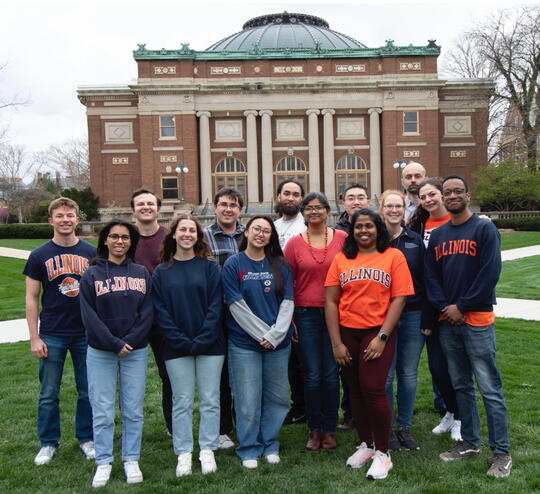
column 167, row 128
column 169, row 187
column 410, row 122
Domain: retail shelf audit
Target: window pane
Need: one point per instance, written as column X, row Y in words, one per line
column 169, row 183
column 167, row 121
column 167, row 131
column 410, row 127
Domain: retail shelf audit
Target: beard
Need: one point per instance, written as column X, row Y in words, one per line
column 413, row 189
column 456, row 208
column 287, row 209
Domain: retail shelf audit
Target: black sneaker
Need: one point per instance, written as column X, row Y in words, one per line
column 406, row 440
column 462, row 449
column 393, row 442
column 294, row 417
column 501, row 465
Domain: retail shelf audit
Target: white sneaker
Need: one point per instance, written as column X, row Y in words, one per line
column 101, row 477
column 45, row 455
column 445, row 425
column 208, row 462
column 362, row 454
column 272, row 458
column 88, row 449
column 225, row 442
column 133, row 472
column 250, row 464
column 455, row 431
column 381, row 465
column 183, row 467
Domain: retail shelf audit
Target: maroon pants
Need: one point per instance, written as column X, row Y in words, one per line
column 367, row 386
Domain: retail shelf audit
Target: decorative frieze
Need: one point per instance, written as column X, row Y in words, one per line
column 410, row 66
column 120, row 161
column 171, row 69
column 351, row 68
column 225, row 70
column 458, row 154
column 229, row 130
column 168, row 158
column 290, row 129
column 411, row 154
column 288, row 69
column 350, row 128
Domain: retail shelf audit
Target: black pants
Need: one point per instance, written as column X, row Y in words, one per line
column 156, row 342
column 296, row 381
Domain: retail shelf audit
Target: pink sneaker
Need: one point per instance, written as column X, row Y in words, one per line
column 363, row 454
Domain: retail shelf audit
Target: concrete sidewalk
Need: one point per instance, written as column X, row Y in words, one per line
column 16, row 330
column 17, row 253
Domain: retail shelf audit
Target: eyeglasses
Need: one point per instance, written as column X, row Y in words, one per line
column 449, row 192
column 228, row 205
column 115, row 237
column 257, row 229
column 393, row 206
column 311, row 209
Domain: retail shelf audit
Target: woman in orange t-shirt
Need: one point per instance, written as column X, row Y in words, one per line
column 366, row 288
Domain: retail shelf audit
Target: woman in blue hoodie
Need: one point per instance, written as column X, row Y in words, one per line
column 188, row 299
column 116, row 310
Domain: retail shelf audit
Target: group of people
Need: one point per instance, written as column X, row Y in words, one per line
column 225, row 308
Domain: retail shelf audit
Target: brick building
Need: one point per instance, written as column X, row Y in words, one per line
column 285, row 97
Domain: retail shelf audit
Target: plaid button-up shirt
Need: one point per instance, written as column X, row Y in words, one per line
column 223, row 245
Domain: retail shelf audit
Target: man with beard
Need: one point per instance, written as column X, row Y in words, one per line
column 355, row 198
column 463, row 263
column 411, row 176
column 291, row 222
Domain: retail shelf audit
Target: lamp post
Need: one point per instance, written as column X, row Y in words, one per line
column 181, row 170
column 399, row 164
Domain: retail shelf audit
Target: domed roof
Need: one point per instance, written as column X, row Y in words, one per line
column 281, row 31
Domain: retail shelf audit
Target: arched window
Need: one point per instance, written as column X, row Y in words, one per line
column 290, row 168
column 231, row 173
column 351, row 169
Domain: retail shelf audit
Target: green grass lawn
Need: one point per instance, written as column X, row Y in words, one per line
column 299, row 472
column 520, row 279
column 513, row 240
column 29, row 243
column 11, row 288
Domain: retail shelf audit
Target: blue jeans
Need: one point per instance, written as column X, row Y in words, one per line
column 103, row 370
column 50, row 377
column 321, row 378
column 471, row 350
column 184, row 372
column 409, row 346
column 261, row 398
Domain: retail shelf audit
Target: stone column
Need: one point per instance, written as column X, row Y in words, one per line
column 375, row 151
column 252, row 162
column 329, row 165
column 266, row 158
column 205, row 157
column 313, row 144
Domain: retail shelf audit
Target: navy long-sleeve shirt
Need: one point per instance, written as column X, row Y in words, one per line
column 116, row 307
column 463, row 264
column 188, row 301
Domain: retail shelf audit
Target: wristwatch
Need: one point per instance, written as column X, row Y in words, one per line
column 382, row 336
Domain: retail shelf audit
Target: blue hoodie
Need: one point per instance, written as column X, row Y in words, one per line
column 116, row 305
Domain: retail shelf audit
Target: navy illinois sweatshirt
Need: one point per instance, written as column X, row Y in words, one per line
column 116, row 305
column 463, row 264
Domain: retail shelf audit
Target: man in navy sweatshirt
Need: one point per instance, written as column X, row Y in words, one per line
column 463, row 263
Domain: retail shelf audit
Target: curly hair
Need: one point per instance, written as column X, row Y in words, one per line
column 103, row 250
column 350, row 247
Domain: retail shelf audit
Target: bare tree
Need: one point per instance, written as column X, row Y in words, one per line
column 72, row 159
column 506, row 48
column 8, row 101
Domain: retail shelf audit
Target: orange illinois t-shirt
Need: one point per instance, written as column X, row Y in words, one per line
column 368, row 282
column 432, row 223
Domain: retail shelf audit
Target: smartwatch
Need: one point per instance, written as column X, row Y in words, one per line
column 382, row 336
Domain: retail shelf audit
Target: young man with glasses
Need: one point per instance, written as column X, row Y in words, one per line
column 224, row 237
column 55, row 268
column 355, row 198
column 463, row 263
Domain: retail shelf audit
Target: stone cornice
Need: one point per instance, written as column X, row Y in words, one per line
column 258, row 53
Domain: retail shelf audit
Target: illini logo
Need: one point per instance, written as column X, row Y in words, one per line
column 69, row 287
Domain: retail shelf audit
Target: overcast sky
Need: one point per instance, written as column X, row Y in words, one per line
column 49, row 48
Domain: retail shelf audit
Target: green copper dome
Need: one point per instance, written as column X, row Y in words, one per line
column 282, row 31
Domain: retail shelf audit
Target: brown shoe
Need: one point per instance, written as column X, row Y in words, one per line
column 328, row 440
column 314, row 441
column 346, row 425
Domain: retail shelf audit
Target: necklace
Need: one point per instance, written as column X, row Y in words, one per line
column 325, row 246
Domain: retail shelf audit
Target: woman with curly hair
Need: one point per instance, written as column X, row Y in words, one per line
column 188, row 298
